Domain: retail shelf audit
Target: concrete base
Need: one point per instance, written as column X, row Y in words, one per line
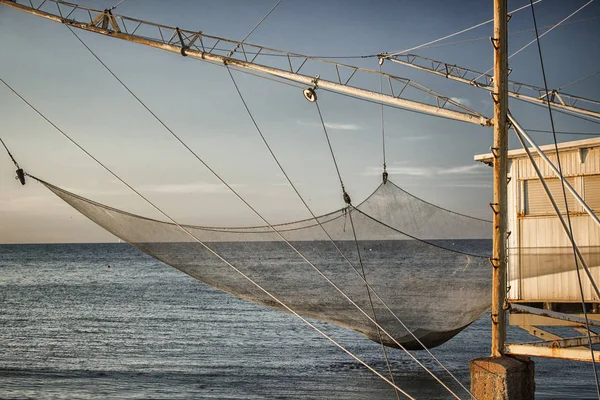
column 503, row 378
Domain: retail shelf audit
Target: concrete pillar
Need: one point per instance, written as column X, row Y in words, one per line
column 503, row 378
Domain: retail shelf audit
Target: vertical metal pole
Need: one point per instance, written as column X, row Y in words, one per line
column 500, row 97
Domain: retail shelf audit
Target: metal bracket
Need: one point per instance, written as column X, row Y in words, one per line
column 310, row 94
column 105, row 18
column 495, row 42
column 494, row 151
column 494, row 318
column 494, row 261
column 493, row 207
column 183, row 46
column 20, row 176
column 494, row 97
column 347, row 198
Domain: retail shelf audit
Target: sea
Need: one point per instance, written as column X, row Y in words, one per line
column 71, row 327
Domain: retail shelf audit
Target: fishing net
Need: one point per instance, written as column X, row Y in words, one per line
column 425, row 266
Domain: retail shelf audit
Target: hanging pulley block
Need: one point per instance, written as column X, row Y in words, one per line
column 21, row 176
column 310, row 94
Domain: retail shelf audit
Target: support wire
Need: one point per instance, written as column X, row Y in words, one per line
column 363, row 277
column 10, row 155
column 538, row 37
column 263, row 219
column 564, row 193
column 196, row 239
column 456, row 33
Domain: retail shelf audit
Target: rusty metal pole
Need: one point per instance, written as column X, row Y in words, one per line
column 500, row 150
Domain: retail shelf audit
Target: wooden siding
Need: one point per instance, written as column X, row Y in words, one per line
column 541, row 263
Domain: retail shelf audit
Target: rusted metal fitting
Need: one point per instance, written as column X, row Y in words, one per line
column 494, row 206
column 495, row 151
column 494, row 318
column 494, row 261
column 347, row 198
column 494, row 42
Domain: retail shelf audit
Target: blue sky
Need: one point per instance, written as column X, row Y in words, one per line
column 430, row 157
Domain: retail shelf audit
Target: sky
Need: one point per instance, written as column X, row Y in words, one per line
column 428, row 156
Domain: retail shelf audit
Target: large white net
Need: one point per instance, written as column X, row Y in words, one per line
column 425, row 266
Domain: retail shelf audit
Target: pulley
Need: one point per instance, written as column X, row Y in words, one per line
column 310, row 94
column 20, row 176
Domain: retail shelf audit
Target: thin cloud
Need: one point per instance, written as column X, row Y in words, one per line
column 333, row 126
column 466, row 170
column 462, row 100
column 429, row 171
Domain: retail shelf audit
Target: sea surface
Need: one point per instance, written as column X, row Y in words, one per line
column 72, row 328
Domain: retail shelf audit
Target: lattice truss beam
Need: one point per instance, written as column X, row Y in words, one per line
column 310, row 71
column 522, row 91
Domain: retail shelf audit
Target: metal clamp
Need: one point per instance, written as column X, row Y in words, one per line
column 495, row 42
column 493, row 207
column 495, row 151
column 310, row 94
column 494, row 318
column 20, row 176
column 494, row 97
column 494, row 261
column 183, row 46
column 347, row 198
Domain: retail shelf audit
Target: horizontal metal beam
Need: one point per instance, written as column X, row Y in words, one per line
column 192, row 44
column 553, row 314
column 540, row 333
column 565, row 342
column 536, row 95
column 551, row 352
column 525, row 320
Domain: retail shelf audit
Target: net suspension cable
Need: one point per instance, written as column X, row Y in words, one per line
column 578, row 80
column 20, row 173
column 384, row 173
column 542, row 35
column 204, row 245
column 318, row 222
column 330, row 239
column 348, row 201
column 316, row 219
column 117, row 5
column 275, row 230
column 115, row 77
column 544, row 28
column 395, row 53
column 253, row 29
column 278, row 233
column 566, row 203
